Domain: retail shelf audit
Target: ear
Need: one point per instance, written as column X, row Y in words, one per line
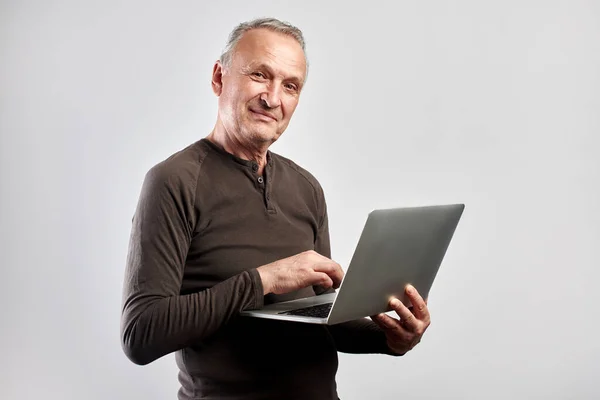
column 217, row 78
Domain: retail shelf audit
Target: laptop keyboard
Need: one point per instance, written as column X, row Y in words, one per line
column 318, row 311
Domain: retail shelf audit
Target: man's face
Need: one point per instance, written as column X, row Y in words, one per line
column 260, row 90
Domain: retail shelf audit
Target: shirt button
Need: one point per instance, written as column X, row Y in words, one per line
column 254, row 167
column 260, row 179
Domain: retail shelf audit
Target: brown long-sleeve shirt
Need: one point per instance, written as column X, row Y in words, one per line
column 204, row 222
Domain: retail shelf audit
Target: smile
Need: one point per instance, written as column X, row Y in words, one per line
column 262, row 116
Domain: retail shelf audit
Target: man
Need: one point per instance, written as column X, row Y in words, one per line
column 226, row 225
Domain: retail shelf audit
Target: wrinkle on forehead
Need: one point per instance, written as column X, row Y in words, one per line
column 288, row 56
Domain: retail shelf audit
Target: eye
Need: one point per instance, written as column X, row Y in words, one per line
column 292, row 87
column 259, row 75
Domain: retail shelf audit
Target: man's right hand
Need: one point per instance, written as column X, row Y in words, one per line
column 302, row 270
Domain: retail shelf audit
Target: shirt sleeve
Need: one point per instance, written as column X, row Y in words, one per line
column 361, row 336
column 156, row 319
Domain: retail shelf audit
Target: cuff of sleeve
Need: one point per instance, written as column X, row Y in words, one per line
column 259, row 298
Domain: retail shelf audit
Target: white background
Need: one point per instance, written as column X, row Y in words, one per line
column 494, row 104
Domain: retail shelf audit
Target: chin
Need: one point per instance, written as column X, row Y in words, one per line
column 259, row 132
column 262, row 135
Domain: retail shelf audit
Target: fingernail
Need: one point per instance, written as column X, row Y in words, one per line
column 410, row 289
column 395, row 303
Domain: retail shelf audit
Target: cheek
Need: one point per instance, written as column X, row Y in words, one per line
column 246, row 95
column 289, row 106
column 234, row 105
column 239, row 92
column 227, row 107
column 248, row 90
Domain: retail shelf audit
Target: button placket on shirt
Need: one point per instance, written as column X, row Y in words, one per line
column 262, row 185
column 268, row 188
column 260, row 179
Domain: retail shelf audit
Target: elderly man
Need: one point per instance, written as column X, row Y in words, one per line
column 225, row 225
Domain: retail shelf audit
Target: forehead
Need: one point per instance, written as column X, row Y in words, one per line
column 280, row 52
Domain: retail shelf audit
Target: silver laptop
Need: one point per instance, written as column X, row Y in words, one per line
column 397, row 247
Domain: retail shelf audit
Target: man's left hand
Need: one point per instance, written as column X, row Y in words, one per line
column 404, row 334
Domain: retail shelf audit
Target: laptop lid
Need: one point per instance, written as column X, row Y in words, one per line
column 397, row 247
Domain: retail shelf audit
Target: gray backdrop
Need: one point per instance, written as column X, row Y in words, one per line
column 494, row 104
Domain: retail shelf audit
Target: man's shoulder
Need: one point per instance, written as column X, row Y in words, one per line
column 181, row 167
column 302, row 173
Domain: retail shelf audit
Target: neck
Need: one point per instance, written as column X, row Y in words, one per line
column 240, row 147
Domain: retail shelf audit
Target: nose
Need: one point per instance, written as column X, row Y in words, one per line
column 271, row 97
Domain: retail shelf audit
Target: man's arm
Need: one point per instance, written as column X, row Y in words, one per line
column 156, row 320
column 361, row 336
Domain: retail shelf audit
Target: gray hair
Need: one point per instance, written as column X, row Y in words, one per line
column 272, row 24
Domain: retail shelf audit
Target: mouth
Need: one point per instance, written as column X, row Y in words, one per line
column 263, row 115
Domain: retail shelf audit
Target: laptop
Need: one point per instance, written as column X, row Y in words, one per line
column 397, row 246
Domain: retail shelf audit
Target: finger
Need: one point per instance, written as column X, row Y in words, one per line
column 332, row 269
column 392, row 327
column 337, row 275
column 420, row 309
column 320, row 279
column 385, row 322
column 407, row 318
